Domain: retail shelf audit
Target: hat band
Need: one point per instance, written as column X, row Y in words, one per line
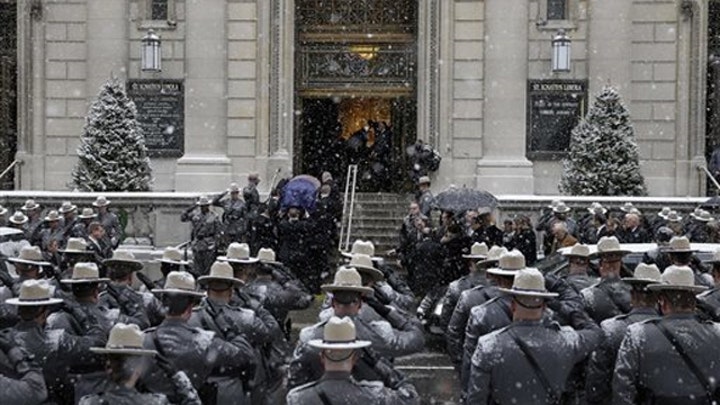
column 529, row 290
column 339, row 342
column 33, row 299
column 121, row 347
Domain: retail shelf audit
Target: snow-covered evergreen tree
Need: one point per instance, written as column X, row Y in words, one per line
column 112, row 153
column 603, row 157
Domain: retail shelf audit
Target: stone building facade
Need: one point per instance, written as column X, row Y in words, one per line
column 459, row 81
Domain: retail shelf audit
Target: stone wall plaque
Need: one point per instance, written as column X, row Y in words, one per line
column 161, row 113
column 554, row 109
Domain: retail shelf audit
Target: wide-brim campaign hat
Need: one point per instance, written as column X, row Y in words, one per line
column 339, row 334
column 364, row 247
column 424, row 180
column 30, row 205
column 644, row 274
column 627, row 207
column 125, row 339
column 76, row 246
column 347, row 279
column 715, row 258
column 364, row 264
column 561, row 208
column 477, row 251
column 664, row 212
column 87, row 213
column 529, row 282
column 179, row 283
column 66, row 207
column 34, row 293
column 578, row 250
column 234, row 188
column 18, row 218
column 220, row 271
column 267, row 255
column 172, row 255
column 85, row 272
column 509, row 264
column 702, row 216
column 203, row 200
column 52, row 216
column 673, row 216
column 554, row 203
column 238, row 253
column 101, row 201
column 678, row 244
column 30, row 255
column 3, row 210
column 597, row 208
column 677, row 278
column 609, row 245
column 123, row 259
column 493, row 255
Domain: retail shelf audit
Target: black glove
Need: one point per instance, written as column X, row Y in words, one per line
column 380, row 295
column 165, row 365
column 381, row 309
column 7, row 341
column 6, row 279
column 391, row 377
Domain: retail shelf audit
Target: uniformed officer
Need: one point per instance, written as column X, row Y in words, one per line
column 68, row 211
column 234, row 217
column 55, row 350
column 602, row 361
column 251, row 195
column 127, row 361
column 26, row 384
column 80, row 230
column 340, row 351
column 205, row 234
column 34, row 224
column 681, row 253
column 51, row 236
column 29, row 265
column 672, row 359
column 172, row 260
column 578, row 267
column 610, row 296
column 76, row 251
column 392, row 337
column 110, row 222
column 529, row 362
column 697, row 229
column 467, row 301
column 12, row 246
column 195, row 351
column 217, row 315
column 709, row 301
column 424, row 197
column 475, row 277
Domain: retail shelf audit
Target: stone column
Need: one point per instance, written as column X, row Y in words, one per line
column 610, row 50
column 205, row 165
column 107, row 43
column 504, row 168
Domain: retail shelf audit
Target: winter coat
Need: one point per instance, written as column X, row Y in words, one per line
column 697, row 232
column 602, row 361
column 100, row 249
column 341, row 388
column 252, row 198
column 457, row 287
column 121, row 395
column 392, row 337
column 708, row 304
column 426, row 201
column 143, row 306
column 606, row 299
column 278, row 299
column 649, row 370
column 502, row 374
column 29, row 389
column 580, row 282
column 459, row 319
column 637, row 235
column 104, row 316
column 402, row 299
column 294, row 243
column 526, row 242
column 32, row 229
column 234, row 217
column 199, row 354
column 658, row 257
column 425, row 263
column 113, row 229
column 262, row 233
column 206, row 229
column 490, row 235
column 454, row 267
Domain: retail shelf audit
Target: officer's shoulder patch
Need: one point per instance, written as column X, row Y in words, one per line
column 370, row 384
column 649, row 320
column 304, row 386
column 150, row 329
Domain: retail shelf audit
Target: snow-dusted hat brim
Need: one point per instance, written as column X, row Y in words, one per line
column 374, row 273
column 528, row 293
column 487, row 261
column 353, row 345
column 77, row 252
column 497, row 271
column 477, row 257
column 659, row 287
column 33, row 303
column 125, row 350
column 639, row 281
column 349, row 255
column 29, row 262
column 331, row 288
column 207, row 279
column 249, row 260
column 84, row 280
column 95, row 203
column 176, row 291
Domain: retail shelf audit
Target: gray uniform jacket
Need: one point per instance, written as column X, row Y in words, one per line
column 708, row 304
column 455, row 289
column 388, row 295
column 501, row 373
column 395, row 337
column 234, row 216
column 278, row 299
column 113, row 229
column 426, row 202
column 196, row 352
column 649, row 370
column 340, row 388
column 105, row 318
column 610, row 297
column 28, row 390
column 459, row 319
column 243, row 321
column 580, row 282
column 206, row 229
column 602, row 361
column 133, row 305
column 121, row 395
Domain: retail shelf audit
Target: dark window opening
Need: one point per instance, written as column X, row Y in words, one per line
column 556, row 10
column 159, row 10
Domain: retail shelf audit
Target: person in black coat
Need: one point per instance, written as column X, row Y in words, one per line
column 295, row 243
column 262, row 233
column 524, row 239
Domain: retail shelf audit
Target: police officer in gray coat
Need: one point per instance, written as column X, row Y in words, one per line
column 709, row 301
column 602, row 361
column 475, row 277
column 609, row 297
column 235, row 212
column 529, row 362
column 205, row 234
column 339, row 353
column 672, row 359
column 26, row 386
column 110, row 222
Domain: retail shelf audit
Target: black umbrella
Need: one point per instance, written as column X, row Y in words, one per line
column 459, row 200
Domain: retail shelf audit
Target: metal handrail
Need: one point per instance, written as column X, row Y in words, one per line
column 710, row 176
column 6, row 171
column 347, row 215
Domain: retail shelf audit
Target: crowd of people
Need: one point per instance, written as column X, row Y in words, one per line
column 84, row 322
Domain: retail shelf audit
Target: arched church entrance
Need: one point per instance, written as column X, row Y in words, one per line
column 8, row 90
column 355, row 89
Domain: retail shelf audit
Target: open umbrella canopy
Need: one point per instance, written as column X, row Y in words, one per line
column 300, row 191
column 459, row 200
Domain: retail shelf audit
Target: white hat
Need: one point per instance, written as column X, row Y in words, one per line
column 203, row 200
column 84, row 272
column 578, row 250
column 664, row 212
column 702, row 216
column 424, row 180
column 493, row 255
column 644, row 274
column 347, row 279
column 172, row 255
column 220, row 271
column 339, row 334
column 267, row 255
column 609, row 245
column 180, row 283
column 509, row 264
column 677, row 278
column 364, row 247
column 364, row 264
column 597, row 208
column 561, row 208
column 123, row 259
column 30, row 205
column 18, row 218
column 77, row 246
column 234, row 188
column 66, row 207
column 627, row 207
column 125, row 339
column 678, row 244
column 30, row 255
column 477, row 251
column 87, row 213
column 52, row 216
column 673, row 216
column 101, row 201
column 238, row 253
column 554, row 203
column 529, row 283
column 34, row 293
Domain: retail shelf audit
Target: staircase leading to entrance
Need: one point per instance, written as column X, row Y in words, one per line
column 378, row 217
